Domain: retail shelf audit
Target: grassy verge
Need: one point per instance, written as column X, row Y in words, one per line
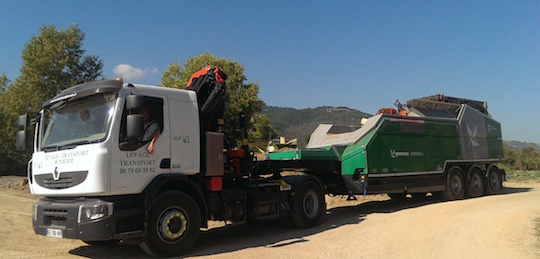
column 522, row 175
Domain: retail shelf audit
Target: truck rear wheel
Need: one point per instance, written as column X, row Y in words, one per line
column 494, row 180
column 455, row 184
column 475, row 185
column 308, row 206
column 173, row 225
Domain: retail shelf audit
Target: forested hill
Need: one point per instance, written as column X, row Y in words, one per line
column 294, row 123
column 519, row 145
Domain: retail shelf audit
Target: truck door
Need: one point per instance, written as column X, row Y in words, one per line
column 132, row 165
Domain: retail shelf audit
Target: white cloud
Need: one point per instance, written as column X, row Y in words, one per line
column 129, row 73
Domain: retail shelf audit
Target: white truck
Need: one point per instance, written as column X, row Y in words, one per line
column 101, row 184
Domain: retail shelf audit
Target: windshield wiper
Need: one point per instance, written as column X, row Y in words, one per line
column 74, row 144
column 68, row 146
column 50, row 148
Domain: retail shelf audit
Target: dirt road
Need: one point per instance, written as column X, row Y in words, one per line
column 501, row 226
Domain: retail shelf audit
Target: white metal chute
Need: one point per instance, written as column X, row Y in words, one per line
column 322, row 136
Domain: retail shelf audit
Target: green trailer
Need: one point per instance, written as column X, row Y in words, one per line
column 440, row 144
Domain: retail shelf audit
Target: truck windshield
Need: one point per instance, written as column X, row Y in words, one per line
column 77, row 122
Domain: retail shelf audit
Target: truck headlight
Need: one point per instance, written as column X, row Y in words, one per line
column 97, row 210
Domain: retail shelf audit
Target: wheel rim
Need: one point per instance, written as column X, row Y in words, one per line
column 457, row 184
column 494, row 180
column 476, row 182
column 172, row 224
column 311, row 204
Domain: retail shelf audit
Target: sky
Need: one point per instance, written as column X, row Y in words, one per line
column 304, row 54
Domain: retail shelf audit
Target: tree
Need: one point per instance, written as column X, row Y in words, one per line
column 241, row 95
column 3, row 120
column 509, row 156
column 52, row 61
column 171, row 77
column 528, row 159
column 262, row 131
column 3, row 82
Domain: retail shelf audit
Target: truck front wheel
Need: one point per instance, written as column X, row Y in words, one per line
column 173, row 225
column 309, row 205
column 455, row 184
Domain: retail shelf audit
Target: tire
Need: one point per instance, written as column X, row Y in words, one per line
column 494, row 180
column 173, row 225
column 455, row 184
column 475, row 183
column 308, row 206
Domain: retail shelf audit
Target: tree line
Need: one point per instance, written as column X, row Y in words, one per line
column 54, row 60
column 526, row 159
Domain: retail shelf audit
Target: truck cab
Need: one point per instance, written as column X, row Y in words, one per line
column 82, row 146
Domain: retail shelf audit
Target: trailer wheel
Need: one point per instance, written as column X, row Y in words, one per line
column 308, row 206
column 455, row 184
column 173, row 225
column 494, row 180
column 475, row 185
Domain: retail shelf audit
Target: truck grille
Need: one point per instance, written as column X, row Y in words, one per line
column 66, row 179
column 55, row 217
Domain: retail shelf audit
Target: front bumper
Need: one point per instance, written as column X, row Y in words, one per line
column 85, row 219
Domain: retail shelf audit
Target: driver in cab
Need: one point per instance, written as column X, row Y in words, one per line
column 151, row 129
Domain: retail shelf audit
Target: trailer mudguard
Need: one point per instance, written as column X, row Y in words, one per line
column 298, row 180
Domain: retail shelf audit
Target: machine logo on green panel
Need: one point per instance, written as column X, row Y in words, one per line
column 396, row 154
column 472, row 136
column 492, row 127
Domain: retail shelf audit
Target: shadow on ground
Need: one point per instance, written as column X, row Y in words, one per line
column 272, row 233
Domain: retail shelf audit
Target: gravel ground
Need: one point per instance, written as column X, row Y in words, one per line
column 498, row 226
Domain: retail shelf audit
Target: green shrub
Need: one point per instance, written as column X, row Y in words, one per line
column 519, row 175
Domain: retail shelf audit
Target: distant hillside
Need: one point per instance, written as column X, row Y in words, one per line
column 294, row 123
column 519, row 145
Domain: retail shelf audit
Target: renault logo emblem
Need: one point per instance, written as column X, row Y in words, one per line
column 56, row 174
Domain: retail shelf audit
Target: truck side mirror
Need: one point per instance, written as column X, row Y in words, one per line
column 135, row 126
column 24, row 136
column 21, row 142
column 134, row 102
column 22, row 122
